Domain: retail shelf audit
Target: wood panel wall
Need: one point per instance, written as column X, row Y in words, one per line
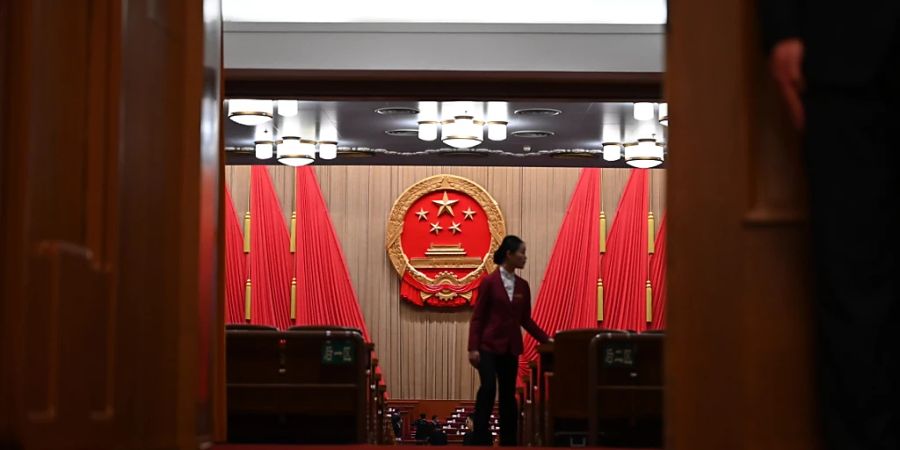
column 422, row 351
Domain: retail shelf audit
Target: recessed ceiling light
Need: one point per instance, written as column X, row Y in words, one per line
column 532, row 133
column 397, row 111
column 538, row 112
column 403, row 132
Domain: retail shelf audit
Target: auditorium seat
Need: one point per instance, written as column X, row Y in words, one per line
column 566, row 380
column 299, row 386
column 626, row 377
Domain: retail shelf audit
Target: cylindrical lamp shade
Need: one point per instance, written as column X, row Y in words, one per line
column 462, row 132
column 287, row 108
column 644, row 154
column 264, row 149
column 428, row 130
column 664, row 114
column 496, row 131
column 294, row 151
column 612, row 152
column 250, row 112
column 327, row 150
column 643, row 111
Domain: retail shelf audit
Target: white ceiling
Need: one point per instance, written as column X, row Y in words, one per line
column 457, row 11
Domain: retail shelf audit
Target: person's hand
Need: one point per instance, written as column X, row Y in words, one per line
column 786, row 64
column 474, row 358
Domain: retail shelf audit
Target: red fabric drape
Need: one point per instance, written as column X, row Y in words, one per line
column 568, row 295
column 658, row 279
column 235, row 265
column 625, row 265
column 270, row 254
column 325, row 294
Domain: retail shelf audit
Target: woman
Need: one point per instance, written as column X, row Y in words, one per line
column 503, row 307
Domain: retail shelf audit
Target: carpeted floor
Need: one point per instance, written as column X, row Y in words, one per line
column 350, row 447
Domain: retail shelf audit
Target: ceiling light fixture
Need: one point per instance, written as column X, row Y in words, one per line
column 643, row 111
column 293, row 151
column 612, row 151
column 497, row 130
column 664, row 114
column 287, row 108
column 327, row 150
column 462, row 132
column 264, row 149
column 644, row 154
column 250, row 112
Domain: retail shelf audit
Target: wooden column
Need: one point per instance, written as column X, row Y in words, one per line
column 739, row 360
column 110, row 184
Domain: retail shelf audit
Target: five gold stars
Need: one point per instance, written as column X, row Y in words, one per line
column 445, row 204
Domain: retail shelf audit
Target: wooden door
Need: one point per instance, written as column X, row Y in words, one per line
column 110, row 191
column 739, row 350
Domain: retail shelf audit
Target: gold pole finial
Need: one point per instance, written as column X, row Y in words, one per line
column 649, row 302
column 651, row 233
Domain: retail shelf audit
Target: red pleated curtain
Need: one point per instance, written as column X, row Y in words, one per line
column 270, row 255
column 625, row 264
column 325, row 294
column 568, row 294
column 235, row 265
column 658, row 278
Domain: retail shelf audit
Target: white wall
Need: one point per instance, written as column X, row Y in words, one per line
column 420, row 46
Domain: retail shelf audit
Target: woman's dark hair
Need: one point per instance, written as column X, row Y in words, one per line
column 510, row 244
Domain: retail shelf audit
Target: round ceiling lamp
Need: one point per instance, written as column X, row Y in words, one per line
column 462, row 132
column 643, row 111
column 644, row 154
column 293, row 151
column 327, row 150
column 612, row 151
column 250, row 112
column 264, row 149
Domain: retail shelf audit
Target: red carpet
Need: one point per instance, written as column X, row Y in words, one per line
column 354, row 447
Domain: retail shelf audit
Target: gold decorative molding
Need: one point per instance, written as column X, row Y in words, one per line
column 496, row 224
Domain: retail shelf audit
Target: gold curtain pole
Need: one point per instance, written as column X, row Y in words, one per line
column 599, row 300
column 293, row 231
column 247, row 232
column 294, row 299
column 247, row 290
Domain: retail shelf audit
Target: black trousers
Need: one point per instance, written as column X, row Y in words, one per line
column 853, row 163
column 496, row 370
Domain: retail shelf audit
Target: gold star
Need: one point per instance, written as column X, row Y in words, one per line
column 455, row 228
column 422, row 214
column 445, row 205
column 469, row 213
column 435, row 228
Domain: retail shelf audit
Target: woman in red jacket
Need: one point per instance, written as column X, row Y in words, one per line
column 503, row 307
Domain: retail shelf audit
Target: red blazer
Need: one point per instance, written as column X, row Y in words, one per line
column 496, row 323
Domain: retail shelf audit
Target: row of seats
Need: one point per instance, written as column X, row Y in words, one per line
column 305, row 385
column 622, row 375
